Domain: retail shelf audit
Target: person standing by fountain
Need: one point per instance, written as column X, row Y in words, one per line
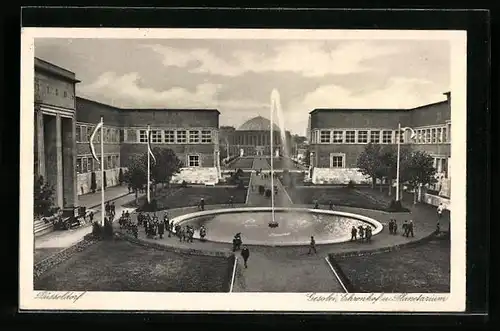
column 312, row 246
column 202, row 204
column 245, row 254
column 316, row 204
column 331, row 205
column 354, row 233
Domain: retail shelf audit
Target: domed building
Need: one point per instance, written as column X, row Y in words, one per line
column 254, row 138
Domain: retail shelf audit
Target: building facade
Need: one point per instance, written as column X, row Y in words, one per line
column 339, row 136
column 54, row 130
column 253, row 138
column 64, row 123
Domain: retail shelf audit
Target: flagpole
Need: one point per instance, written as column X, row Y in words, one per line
column 149, row 171
column 103, row 210
column 398, row 137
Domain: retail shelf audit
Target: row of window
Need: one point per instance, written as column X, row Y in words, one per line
column 176, row 136
column 111, row 135
column 440, row 163
column 51, row 90
column 422, row 136
column 86, row 164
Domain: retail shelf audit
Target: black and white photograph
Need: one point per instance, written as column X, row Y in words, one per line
column 225, row 169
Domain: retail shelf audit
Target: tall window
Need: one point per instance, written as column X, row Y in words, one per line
column 90, row 164
column 156, row 136
column 386, row 137
column 433, row 136
column 206, row 136
column 337, row 161
column 194, row 160
column 78, row 134
column 428, row 136
column 350, row 136
column 84, row 165
column 439, row 136
column 194, row 137
column 324, row 136
column 110, row 162
column 181, row 137
column 362, row 137
column 338, row 137
column 445, row 138
column 143, row 136
column 78, row 165
column 169, row 136
column 375, row 137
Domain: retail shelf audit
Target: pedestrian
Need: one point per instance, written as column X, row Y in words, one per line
column 331, row 205
column 202, row 204
column 391, row 226
column 368, row 233
column 161, row 229
column 245, row 254
column 354, row 233
column 312, row 246
column 203, row 233
column 438, row 228
column 395, row 227
column 316, row 204
column 410, row 229
column 440, row 210
column 91, row 216
column 405, row 228
column 361, row 232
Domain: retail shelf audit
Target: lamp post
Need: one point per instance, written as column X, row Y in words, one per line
column 400, row 132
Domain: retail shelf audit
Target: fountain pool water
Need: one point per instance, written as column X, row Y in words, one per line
column 296, row 225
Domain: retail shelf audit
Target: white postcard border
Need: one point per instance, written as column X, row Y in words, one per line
column 298, row 302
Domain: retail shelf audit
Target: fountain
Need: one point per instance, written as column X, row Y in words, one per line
column 297, row 225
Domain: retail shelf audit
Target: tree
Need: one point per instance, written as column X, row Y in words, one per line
column 419, row 171
column 307, row 158
column 370, row 162
column 167, row 164
column 388, row 157
column 43, row 195
column 120, row 176
column 136, row 175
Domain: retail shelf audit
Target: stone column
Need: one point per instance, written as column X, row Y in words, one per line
column 53, row 154
column 59, row 162
column 40, row 148
column 68, row 161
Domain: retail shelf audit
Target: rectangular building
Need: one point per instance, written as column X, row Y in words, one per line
column 339, row 136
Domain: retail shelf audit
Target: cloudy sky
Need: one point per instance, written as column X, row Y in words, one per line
column 237, row 76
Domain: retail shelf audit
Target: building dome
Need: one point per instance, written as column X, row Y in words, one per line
column 258, row 123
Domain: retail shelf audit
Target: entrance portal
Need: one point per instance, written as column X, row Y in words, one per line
column 259, row 150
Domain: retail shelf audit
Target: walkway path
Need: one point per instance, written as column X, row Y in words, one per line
column 55, row 241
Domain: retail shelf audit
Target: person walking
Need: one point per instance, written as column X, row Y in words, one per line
column 161, row 229
column 410, row 229
column 316, row 204
column 202, row 204
column 331, row 205
column 440, row 210
column 354, row 233
column 312, row 246
column 245, row 254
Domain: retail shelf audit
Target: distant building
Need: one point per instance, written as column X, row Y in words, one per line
column 64, row 123
column 254, row 138
column 339, row 136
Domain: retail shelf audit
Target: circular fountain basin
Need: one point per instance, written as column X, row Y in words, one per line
column 295, row 225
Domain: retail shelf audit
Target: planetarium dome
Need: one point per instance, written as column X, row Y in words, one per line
column 258, row 123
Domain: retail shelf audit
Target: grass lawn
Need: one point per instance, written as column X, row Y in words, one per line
column 421, row 269
column 43, row 253
column 340, row 196
column 190, row 196
column 122, row 266
column 241, row 163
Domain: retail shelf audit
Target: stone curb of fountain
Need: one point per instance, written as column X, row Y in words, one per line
column 174, row 249
column 55, row 259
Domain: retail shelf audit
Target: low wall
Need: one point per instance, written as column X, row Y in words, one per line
column 196, row 175
column 376, row 224
column 85, row 180
column 435, row 200
column 339, row 176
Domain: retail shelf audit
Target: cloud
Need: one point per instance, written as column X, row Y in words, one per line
column 311, row 59
column 125, row 91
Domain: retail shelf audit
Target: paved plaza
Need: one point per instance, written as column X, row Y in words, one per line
column 270, row 269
